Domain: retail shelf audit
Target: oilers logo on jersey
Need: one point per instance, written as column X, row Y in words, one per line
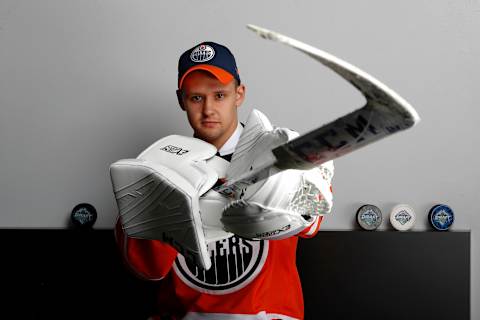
column 235, row 263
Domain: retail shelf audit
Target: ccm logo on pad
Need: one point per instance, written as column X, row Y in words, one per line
column 173, row 149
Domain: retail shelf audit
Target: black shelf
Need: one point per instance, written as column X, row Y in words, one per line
column 386, row 275
column 70, row 274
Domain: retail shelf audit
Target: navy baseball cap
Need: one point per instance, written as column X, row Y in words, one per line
column 209, row 56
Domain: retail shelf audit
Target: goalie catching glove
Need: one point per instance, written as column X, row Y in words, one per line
column 285, row 203
column 158, row 194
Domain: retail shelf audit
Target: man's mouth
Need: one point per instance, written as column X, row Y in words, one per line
column 209, row 123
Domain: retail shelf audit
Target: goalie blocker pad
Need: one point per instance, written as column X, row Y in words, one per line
column 158, row 193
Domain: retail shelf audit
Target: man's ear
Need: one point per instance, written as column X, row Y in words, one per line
column 240, row 95
column 180, row 99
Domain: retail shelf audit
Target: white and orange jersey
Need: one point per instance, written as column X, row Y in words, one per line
column 248, row 279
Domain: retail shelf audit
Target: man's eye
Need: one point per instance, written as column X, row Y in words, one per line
column 196, row 98
column 220, row 95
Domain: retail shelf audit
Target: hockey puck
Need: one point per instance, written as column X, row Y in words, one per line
column 441, row 217
column 402, row 217
column 369, row 217
column 84, row 216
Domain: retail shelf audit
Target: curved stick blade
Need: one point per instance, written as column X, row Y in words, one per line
column 376, row 92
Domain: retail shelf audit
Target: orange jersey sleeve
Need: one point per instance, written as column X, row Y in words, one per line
column 149, row 259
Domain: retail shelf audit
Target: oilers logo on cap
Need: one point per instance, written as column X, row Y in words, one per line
column 210, row 56
column 202, row 53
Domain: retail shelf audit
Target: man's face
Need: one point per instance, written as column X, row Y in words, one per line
column 211, row 106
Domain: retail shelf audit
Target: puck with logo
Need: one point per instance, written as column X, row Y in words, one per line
column 369, row 217
column 84, row 216
column 402, row 217
column 441, row 217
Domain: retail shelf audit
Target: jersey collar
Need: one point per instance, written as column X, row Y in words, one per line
column 229, row 146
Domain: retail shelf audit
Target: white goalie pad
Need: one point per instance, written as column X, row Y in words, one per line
column 253, row 150
column 158, row 194
column 212, row 204
column 255, row 221
column 283, row 206
column 284, row 203
column 258, row 138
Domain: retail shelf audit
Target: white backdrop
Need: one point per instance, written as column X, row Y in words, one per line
column 85, row 83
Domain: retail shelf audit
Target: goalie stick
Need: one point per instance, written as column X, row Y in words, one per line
column 384, row 114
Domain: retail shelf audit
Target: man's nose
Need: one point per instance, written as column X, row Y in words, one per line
column 208, row 106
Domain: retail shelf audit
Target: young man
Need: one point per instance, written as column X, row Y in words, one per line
column 241, row 261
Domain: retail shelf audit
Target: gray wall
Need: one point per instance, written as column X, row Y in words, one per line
column 85, row 83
